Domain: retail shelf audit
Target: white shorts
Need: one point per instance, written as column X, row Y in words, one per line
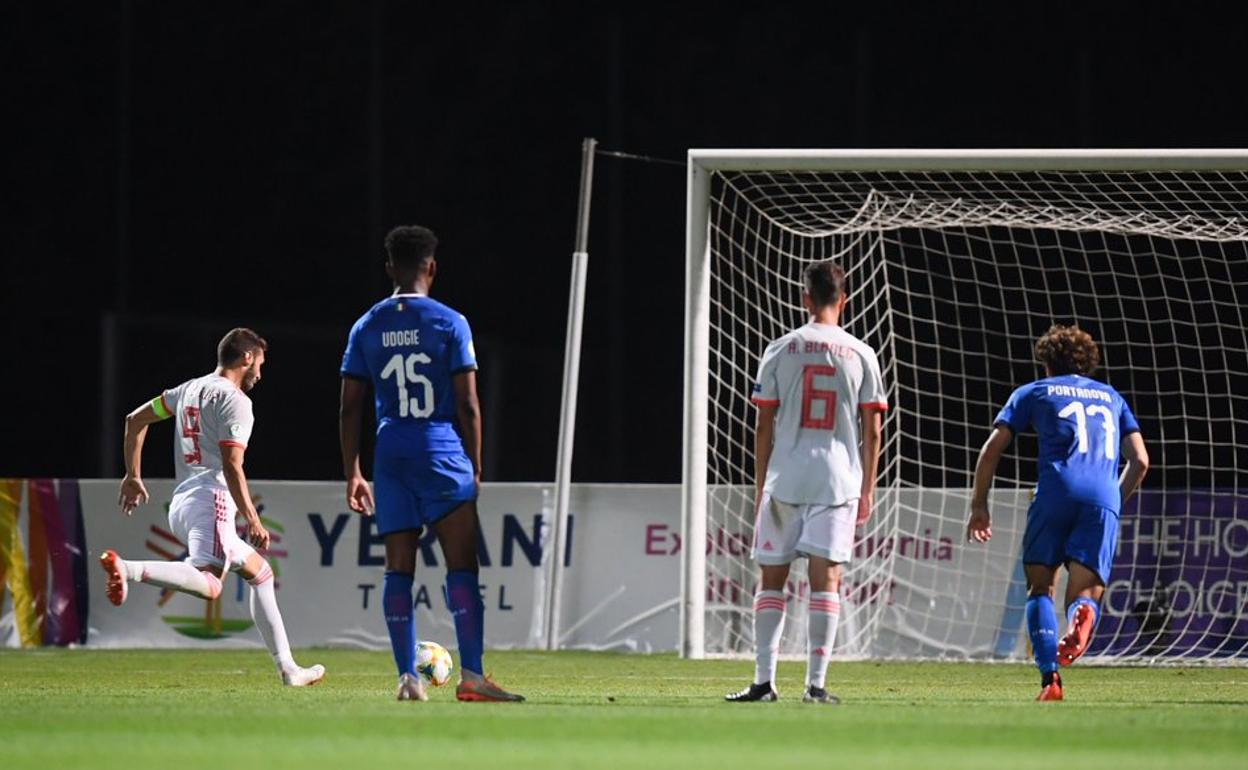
column 784, row 531
column 203, row 518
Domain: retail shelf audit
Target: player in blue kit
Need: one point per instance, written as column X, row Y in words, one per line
column 417, row 354
column 1084, row 427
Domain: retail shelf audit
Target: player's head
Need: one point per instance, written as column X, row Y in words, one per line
column 409, row 252
column 1067, row 350
column 243, row 349
column 824, row 287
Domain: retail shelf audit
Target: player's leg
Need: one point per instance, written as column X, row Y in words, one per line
column 1090, row 554
column 1044, row 547
column 174, row 575
column 824, row 614
column 192, row 519
column 397, row 605
column 1042, row 627
column 265, row 613
column 398, row 520
column 776, row 531
column 458, row 534
column 1083, row 596
column 769, row 611
column 828, row 541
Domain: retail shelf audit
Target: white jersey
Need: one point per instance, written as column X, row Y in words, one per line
column 819, row 376
column 211, row 412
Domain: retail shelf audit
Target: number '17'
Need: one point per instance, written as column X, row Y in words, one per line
column 1081, row 412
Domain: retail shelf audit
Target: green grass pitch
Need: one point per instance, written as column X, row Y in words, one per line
column 190, row 709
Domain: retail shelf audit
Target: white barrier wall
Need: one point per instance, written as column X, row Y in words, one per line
column 920, row 591
column 620, row 590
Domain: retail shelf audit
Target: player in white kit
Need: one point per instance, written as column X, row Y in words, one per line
column 213, row 425
column 819, row 395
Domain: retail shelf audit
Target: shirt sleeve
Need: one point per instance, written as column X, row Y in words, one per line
column 766, row 391
column 1016, row 414
column 236, row 422
column 166, row 404
column 1126, row 419
column 354, row 364
column 463, row 355
column 871, row 393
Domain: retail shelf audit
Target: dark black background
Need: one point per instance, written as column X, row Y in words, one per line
column 184, row 168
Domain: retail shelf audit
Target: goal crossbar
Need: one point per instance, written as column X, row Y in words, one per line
column 1225, row 159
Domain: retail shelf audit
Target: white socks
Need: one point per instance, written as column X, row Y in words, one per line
column 768, row 626
column 178, row 575
column 825, row 611
column 268, row 619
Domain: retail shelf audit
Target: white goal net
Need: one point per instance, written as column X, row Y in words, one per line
column 956, row 263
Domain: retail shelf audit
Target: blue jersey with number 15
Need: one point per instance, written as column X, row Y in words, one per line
column 410, row 347
column 1080, row 423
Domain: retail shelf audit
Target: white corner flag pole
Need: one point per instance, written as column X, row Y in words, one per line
column 567, row 416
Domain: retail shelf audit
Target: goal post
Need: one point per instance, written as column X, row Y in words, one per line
column 957, row 260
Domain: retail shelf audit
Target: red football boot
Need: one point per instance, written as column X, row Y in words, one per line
column 116, row 587
column 1075, row 642
column 1051, row 691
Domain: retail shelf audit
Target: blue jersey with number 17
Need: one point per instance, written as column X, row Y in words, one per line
column 1080, row 423
column 410, row 347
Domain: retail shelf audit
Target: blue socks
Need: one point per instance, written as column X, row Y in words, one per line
column 1070, row 610
column 396, row 603
column 463, row 599
column 1042, row 628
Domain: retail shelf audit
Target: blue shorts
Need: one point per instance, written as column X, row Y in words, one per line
column 415, row 492
column 1061, row 531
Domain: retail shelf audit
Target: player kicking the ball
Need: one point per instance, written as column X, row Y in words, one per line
column 1083, row 426
column 214, row 422
column 816, row 450
column 417, row 354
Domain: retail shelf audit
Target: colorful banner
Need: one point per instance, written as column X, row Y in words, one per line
column 47, row 575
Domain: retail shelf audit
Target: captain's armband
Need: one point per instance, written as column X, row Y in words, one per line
column 158, row 406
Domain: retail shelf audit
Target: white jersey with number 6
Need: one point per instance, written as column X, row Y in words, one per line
column 818, row 376
column 211, row 412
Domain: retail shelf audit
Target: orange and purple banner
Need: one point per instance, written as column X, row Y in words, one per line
column 46, row 576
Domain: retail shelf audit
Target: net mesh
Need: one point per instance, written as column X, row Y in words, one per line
column 952, row 277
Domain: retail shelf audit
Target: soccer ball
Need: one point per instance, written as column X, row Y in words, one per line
column 433, row 662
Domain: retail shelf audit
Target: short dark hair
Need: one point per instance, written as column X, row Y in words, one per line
column 825, row 283
column 410, row 245
column 1068, row 350
column 237, row 343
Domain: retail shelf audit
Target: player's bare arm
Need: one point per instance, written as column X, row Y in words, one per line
column 1136, row 457
column 350, row 418
column 236, row 480
column 764, row 439
column 979, row 525
column 468, row 412
column 872, row 428
column 133, row 493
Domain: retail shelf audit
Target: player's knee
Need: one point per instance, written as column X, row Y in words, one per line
column 214, row 585
column 262, row 575
column 773, row 577
column 462, row 562
column 404, row 564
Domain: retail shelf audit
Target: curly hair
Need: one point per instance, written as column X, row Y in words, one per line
column 1068, row 350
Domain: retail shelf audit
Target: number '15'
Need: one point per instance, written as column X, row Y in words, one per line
column 405, row 374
